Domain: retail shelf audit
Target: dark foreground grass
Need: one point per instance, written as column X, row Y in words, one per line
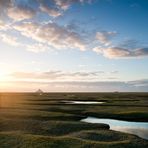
column 32, row 121
column 15, row 139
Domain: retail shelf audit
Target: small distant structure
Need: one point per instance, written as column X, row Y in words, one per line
column 39, row 91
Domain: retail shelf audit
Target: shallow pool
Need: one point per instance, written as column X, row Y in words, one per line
column 83, row 102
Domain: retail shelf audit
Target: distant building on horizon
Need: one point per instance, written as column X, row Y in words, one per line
column 39, row 91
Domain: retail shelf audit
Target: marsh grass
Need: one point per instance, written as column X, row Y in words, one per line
column 28, row 120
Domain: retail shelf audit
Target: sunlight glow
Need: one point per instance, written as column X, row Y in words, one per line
column 4, row 74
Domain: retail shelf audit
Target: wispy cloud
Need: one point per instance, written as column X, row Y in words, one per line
column 19, row 13
column 78, row 86
column 118, row 52
column 52, row 34
column 11, row 40
column 37, row 48
column 105, row 37
column 4, row 4
column 65, row 4
column 65, row 75
column 51, row 11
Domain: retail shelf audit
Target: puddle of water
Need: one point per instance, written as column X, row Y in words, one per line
column 137, row 128
column 82, row 102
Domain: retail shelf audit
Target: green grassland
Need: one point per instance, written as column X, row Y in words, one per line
column 30, row 120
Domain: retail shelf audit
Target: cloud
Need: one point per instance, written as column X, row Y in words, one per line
column 64, row 76
column 37, row 48
column 24, row 16
column 5, row 26
column 139, row 83
column 56, row 8
column 54, row 12
column 9, row 39
column 65, row 4
column 20, row 10
column 19, row 13
column 105, row 37
column 5, row 4
column 114, row 72
column 53, row 75
column 118, row 52
column 76, row 86
column 52, row 34
column 2, row 25
column 16, row 11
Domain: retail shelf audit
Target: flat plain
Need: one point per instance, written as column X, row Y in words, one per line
column 33, row 120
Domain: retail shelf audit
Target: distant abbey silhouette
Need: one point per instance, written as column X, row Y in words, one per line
column 39, row 91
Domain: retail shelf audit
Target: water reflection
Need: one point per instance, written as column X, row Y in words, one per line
column 137, row 128
column 83, row 102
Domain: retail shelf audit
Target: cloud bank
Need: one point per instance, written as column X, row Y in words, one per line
column 52, row 34
column 78, row 86
column 65, row 76
column 20, row 10
column 24, row 18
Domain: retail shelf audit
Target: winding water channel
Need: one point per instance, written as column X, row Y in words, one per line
column 137, row 128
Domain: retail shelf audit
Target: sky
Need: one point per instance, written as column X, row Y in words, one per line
column 74, row 45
